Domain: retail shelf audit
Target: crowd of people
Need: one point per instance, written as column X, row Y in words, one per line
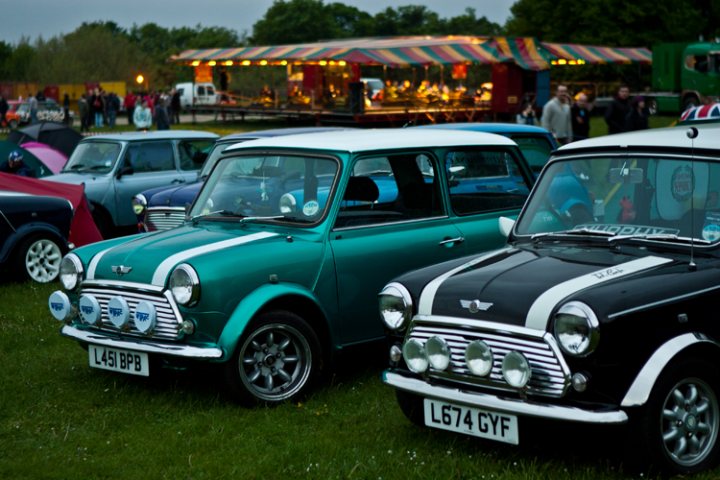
column 568, row 118
column 144, row 110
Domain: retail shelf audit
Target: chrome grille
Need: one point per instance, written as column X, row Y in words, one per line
column 550, row 375
column 168, row 317
column 164, row 218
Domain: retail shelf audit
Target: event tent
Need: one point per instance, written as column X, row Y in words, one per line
column 527, row 52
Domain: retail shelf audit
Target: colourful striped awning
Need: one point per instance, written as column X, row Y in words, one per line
column 525, row 51
column 597, row 54
column 385, row 51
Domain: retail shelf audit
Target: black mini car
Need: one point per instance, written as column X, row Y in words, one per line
column 34, row 234
column 600, row 310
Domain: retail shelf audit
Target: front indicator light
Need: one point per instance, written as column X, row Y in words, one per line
column 415, row 356
column 516, row 370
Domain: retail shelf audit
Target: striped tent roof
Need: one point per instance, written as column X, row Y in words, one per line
column 597, row 54
column 384, row 51
column 525, row 51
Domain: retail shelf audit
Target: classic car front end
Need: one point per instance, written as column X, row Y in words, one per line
column 597, row 312
column 270, row 289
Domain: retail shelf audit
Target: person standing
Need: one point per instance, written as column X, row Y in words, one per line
column 162, row 119
column 142, row 117
column 84, row 111
column 130, row 100
column 4, row 107
column 618, row 110
column 527, row 114
column 637, row 118
column 580, row 118
column 556, row 116
column 175, row 106
column 33, row 104
column 66, row 109
column 97, row 108
column 112, row 105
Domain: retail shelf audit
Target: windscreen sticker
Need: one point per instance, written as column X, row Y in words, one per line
column 616, row 229
column 311, row 208
column 711, row 228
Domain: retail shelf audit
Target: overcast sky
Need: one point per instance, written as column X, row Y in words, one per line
column 48, row 18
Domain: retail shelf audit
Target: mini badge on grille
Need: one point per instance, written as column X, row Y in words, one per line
column 120, row 269
column 475, row 306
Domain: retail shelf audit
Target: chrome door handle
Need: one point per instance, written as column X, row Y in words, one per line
column 452, row 240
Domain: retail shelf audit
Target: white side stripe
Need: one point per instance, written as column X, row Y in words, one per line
column 427, row 297
column 164, row 268
column 539, row 313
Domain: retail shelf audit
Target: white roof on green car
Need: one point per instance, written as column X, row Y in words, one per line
column 354, row 141
column 675, row 137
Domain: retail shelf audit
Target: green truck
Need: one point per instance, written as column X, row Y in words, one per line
column 684, row 75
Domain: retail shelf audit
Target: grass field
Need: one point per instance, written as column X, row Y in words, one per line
column 61, row 420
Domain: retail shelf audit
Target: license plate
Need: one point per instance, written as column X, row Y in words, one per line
column 472, row 421
column 113, row 359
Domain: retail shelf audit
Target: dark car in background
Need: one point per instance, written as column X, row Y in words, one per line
column 535, row 143
column 116, row 167
column 164, row 207
column 601, row 309
column 34, row 234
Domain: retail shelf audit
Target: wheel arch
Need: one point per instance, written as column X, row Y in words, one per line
column 29, row 231
column 276, row 297
column 688, row 345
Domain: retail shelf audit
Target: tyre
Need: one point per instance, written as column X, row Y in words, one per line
column 678, row 427
column 277, row 360
column 411, row 406
column 39, row 259
column 689, row 102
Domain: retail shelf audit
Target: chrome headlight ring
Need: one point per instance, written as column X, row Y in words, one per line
column 395, row 304
column 139, row 204
column 184, row 284
column 71, row 271
column 577, row 329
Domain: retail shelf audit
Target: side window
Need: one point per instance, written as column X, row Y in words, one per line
column 390, row 189
column 193, row 153
column 150, row 157
column 201, row 90
column 536, row 151
column 484, row 181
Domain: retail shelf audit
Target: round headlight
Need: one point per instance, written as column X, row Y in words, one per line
column 71, row 271
column 395, row 306
column 577, row 329
column 516, row 369
column 185, row 285
column 438, row 353
column 139, row 204
column 479, row 358
column 415, row 356
column 288, row 204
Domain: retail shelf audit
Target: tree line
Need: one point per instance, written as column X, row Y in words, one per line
column 103, row 51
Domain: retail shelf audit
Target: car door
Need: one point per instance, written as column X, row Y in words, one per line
column 392, row 219
column 144, row 165
column 485, row 183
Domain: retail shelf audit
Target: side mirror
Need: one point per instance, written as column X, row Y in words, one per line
column 505, row 225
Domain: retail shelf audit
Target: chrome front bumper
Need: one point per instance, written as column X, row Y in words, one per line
column 502, row 405
column 148, row 346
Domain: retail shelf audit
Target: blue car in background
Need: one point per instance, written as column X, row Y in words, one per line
column 535, row 143
column 164, row 207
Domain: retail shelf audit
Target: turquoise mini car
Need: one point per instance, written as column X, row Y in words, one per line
column 271, row 290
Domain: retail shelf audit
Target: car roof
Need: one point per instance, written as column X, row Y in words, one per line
column 157, row 135
column 353, row 141
column 277, row 132
column 673, row 138
column 489, row 127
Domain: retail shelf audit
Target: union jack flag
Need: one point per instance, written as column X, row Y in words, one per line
column 701, row 113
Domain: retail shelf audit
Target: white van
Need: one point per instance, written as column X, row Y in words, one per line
column 203, row 93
